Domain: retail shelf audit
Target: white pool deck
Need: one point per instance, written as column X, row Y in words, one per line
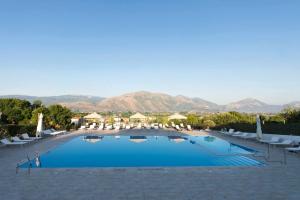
column 274, row 181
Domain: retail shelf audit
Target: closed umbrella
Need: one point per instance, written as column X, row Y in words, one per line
column 39, row 128
column 258, row 128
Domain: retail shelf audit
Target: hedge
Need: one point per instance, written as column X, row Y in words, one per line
column 12, row 130
column 271, row 128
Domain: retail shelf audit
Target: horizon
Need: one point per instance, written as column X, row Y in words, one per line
column 221, row 52
column 86, row 95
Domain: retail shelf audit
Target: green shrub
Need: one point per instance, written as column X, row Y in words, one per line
column 267, row 128
column 209, row 124
column 13, row 130
column 3, row 133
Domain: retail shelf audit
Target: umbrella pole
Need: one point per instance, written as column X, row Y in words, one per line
column 268, row 151
column 284, row 157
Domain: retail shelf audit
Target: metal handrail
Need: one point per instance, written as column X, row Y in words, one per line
column 268, row 158
column 29, row 164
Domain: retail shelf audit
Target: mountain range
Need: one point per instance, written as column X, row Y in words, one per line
column 153, row 102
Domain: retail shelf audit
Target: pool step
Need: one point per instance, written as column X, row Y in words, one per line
column 236, row 161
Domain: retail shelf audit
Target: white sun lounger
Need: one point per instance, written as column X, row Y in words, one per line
column 189, row 128
column 17, row 139
column 25, row 136
column 272, row 140
column 239, row 134
column 249, row 136
column 177, row 128
column 7, row 142
column 235, row 134
column 52, row 132
column 283, row 143
column 55, row 132
column 230, row 132
column 294, row 149
column 101, row 127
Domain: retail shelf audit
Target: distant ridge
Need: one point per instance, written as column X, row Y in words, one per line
column 252, row 105
column 74, row 102
column 153, row 102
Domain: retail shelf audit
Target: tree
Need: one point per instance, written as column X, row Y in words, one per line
column 46, row 113
column 15, row 110
column 60, row 117
column 276, row 119
column 209, row 124
column 14, row 115
column 37, row 104
column 3, row 132
column 111, row 120
column 162, row 120
column 291, row 115
column 192, row 119
column 126, row 114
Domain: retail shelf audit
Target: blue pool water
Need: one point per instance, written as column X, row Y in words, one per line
column 149, row 151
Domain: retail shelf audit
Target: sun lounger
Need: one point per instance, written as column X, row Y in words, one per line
column 294, row 149
column 235, row 134
column 272, row 140
column 189, row 128
column 173, row 125
column 241, row 135
column 7, row 142
column 55, row 132
column 230, row 132
column 177, row 128
column 52, row 132
column 17, row 139
column 249, row 136
column 108, row 127
column 139, row 126
column 283, row 143
column 25, row 136
column 47, row 132
column 101, row 127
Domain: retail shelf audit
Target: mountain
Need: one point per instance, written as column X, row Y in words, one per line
column 295, row 104
column 251, row 105
column 153, row 102
column 74, row 102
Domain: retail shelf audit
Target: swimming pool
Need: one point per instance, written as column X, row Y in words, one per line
column 145, row 151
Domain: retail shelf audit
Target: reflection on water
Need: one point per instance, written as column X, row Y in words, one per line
column 92, row 138
column 138, row 139
column 209, row 139
column 177, row 139
column 144, row 151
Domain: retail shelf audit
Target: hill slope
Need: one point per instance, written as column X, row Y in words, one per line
column 252, row 105
column 153, row 102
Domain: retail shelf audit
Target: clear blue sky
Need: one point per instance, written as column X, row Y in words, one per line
column 218, row 50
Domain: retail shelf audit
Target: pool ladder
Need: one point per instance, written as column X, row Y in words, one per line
column 267, row 157
column 29, row 165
